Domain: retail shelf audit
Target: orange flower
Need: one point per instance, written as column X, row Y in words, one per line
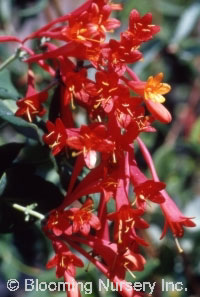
column 155, row 89
column 152, row 91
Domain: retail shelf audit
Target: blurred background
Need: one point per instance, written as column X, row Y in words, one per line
column 28, row 173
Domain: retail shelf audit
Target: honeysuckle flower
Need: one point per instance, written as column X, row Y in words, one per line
column 129, row 112
column 56, row 138
column 128, row 109
column 104, row 90
column 121, row 140
column 130, row 261
column 83, row 219
column 152, row 92
column 115, row 119
column 59, row 223
column 153, row 89
column 89, row 140
column 91, row 25
column 159, row 111
column 61, row 19
column 64, row 261
column 119, row 262
column 149, row 190
column 86, row 27
column 141, row 28
column 31, row 106
column 75, row 82
column 174, row 218
column 118, row 54
column 126, row 219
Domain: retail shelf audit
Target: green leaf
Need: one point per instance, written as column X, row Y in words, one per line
column 6, row 94
column 3, row 182
column 34, row 9
column 169, row 9
column 195, row 132
column 7, row 250
column 5, row 11
column 164, row 159
column 186, row 23
column 7, row 90
column 9, row 153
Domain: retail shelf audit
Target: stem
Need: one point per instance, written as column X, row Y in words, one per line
column 105, row 271
column 51, row 85
column 28, row 211
column 148, row 159
column 57, row 7
column 132, row 74
column 8, row 61
column 103, row 233
column 98, row 264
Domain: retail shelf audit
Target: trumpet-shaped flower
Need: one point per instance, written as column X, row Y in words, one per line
column 83, row 219
column 56, row 138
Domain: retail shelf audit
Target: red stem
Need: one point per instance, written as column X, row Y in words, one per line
column 148, row 159
column 132, row 74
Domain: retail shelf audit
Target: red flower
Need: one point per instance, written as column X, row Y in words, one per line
column 119, row 53
column 116, row 118
column 59, row 223
column 159, row 111
column 121, row 140
column 86, row 27
column 126, row 219
column 89, row 140
column 30, row 107
column 130, row 261
column 61, row 19
column 149, row 190
column 56, row 138
column 105, row 88
column 83, row 219
column 91, row 26
column 118, row 262
column 141, row 28
column 74, row 81
column 127, row 110
column 174, row 218
column 64, row 261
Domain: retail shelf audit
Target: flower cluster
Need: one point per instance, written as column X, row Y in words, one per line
column 119, row 107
